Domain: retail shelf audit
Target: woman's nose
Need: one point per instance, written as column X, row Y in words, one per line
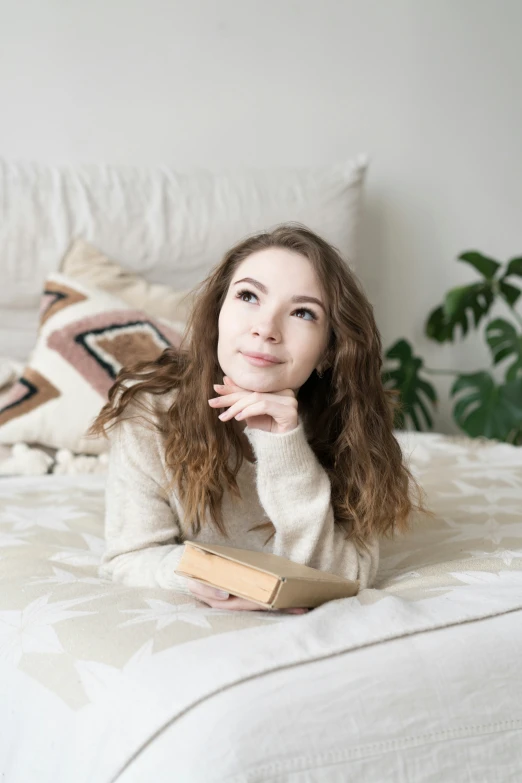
column 267, row 330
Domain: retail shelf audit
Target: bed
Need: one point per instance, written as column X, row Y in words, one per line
column 415, row 680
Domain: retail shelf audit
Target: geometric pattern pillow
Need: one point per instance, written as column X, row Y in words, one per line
column 85, row 337
column 91, row 266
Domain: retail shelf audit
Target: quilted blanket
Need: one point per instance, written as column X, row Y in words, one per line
column 92, row 671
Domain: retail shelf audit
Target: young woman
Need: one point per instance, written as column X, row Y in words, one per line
column 270, row 418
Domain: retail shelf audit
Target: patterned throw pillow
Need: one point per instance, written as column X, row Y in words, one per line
column 88, row 265
column 85, row 336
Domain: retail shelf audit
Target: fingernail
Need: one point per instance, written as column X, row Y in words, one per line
column 222, row 415
column 221, row 594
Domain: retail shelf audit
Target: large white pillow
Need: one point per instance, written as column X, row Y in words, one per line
column 170, row 227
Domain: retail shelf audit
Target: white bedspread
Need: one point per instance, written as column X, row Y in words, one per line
column 100, row 682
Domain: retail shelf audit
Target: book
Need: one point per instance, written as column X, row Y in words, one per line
column 269, row 580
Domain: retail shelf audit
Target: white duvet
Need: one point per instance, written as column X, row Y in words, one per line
column 418, row 679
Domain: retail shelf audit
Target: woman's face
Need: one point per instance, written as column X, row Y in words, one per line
column 260, row 314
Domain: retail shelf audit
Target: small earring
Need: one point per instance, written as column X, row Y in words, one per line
column 319, row 373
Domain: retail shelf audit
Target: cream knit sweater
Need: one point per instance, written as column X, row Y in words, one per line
column 286, row 485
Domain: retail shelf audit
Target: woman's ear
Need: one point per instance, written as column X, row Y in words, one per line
column 322, row 367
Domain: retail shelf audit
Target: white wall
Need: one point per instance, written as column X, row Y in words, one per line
column 431, row 89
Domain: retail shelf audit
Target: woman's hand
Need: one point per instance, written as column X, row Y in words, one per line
column 267, row 411
column 260, row 410
column 219, row 600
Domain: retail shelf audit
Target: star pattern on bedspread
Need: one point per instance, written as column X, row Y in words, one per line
column 55, row 606
column 506, row 555
column 488, row 530
column 163, row 614
column 31, row 630
column 26, row 520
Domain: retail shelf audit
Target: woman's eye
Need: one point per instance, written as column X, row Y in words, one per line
column 313, row 317
column 241, row 294
column 310, row 313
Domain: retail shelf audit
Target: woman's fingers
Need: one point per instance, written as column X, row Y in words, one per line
column 233, row 603
column 242, row 604
column 206, row 591
column 251, row 405
column 301, row 610
column 218, row 599
column 227, row 399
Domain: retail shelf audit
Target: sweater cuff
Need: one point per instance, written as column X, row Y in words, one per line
column 282, row 453
column 166, row 576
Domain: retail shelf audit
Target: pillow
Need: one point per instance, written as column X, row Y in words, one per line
column 92, row 267
column 170, row 227
column 86, row 335
column 9, row 371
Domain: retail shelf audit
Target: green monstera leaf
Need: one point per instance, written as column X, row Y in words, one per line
column 514, row 267
column 508, row 291
column 487, row 267
column 411, row 387
column 504, row 341
column 488, row 409
column 467, row 303
column 460, row 304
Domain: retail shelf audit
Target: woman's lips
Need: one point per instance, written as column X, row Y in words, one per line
column 259, row 362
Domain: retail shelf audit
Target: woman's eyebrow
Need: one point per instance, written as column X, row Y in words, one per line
column 264, row 290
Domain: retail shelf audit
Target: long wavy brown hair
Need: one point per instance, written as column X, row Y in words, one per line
column 347, row 413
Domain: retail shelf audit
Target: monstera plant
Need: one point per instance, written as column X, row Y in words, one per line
column 483, row 406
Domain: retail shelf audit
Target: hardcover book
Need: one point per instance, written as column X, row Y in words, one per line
column 269, row 580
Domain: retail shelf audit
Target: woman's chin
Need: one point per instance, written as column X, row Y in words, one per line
column 257, row 381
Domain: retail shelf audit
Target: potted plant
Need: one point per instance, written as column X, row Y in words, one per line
column 482, row 407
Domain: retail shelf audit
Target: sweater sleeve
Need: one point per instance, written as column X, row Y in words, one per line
column 140, row 526
column 294, row 489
